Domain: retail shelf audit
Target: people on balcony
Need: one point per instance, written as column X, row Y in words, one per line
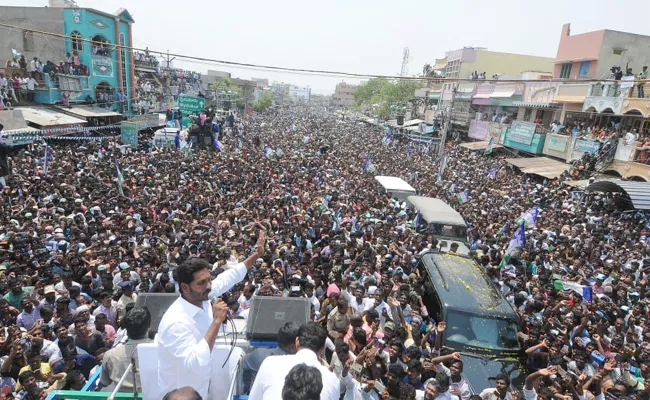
column 643, row 75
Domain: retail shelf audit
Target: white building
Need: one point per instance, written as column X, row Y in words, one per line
column 297, row 93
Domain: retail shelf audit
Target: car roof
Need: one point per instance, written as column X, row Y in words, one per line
column 462, row 286
column 436, row 210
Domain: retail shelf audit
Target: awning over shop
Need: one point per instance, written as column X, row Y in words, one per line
column 482, row 145
column 534, row 105
column 639, row 192
column 569, row 99
column 543, row 166
column 502, row 93
column 482, row 95
column 434, row 96
column 90, row 112
column 412, row 122
column 45, row 117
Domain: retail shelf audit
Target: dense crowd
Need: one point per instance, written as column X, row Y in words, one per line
column 76, row 254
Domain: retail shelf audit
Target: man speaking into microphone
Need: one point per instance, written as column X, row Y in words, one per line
column 190, row 326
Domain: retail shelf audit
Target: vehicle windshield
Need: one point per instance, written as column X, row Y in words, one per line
column 449, row 231
column 486, row 332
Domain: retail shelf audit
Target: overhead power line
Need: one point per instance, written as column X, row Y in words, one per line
column 305, row 71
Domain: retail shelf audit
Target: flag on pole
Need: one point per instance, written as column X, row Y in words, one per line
column 47, row 159
column 463, row 197
column 268, row 152
column 368, row 166
column 492, row 173
column 504, row 229
column 488, row 150
column 217, row 144
column 120, row 178
column 417, row 220
column 443, row 165
column 583, row 290
column 518, row 241
column 530, row 217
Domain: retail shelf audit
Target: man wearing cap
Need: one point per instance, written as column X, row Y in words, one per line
column 49, row 298
column 128, row 296
column 118, row 278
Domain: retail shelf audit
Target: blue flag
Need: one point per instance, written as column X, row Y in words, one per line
column 47, row 159
column 217, row 144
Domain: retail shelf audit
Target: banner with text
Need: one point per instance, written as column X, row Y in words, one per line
column 522, row 132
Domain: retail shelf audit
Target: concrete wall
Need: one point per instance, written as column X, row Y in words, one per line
column 575, row 70
column 636, row 52
column 585, row 46
column 505, row 63
column 46, row 48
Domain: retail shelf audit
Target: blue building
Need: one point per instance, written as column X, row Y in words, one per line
column 105, row 69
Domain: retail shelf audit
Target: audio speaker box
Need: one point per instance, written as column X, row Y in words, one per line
column 268, row 314
column 157, row 303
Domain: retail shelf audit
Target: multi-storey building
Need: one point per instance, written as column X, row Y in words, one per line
column 343, row 95
column 101, row 41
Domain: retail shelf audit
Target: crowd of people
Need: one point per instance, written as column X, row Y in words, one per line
column 78, row 245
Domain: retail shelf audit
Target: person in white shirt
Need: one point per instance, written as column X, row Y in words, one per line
column 190, row 326
column 500, row 392
column 631, row 137
column 358, row 303
column 311, row 347
column 457, row 383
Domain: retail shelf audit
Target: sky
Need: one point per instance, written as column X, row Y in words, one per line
column 358, row 36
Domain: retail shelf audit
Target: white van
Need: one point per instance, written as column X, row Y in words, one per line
column 439, row 219
column 397, row 187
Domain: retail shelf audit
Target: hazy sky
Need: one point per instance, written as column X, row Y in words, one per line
column 357, row 35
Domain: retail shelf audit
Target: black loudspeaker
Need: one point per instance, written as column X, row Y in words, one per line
column 269, row 313
column 157, row 303
column 400, row 120
column 207, row 139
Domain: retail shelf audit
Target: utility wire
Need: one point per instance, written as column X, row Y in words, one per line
column 297, row 70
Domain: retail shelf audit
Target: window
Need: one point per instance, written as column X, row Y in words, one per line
column 123, row 107
column 584, row 69
column 100, row 46
column 77, row 43
column 617, row 52
column 565, row 73
column 28, row 40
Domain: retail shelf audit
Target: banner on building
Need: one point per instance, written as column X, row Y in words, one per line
column 586, row 146
column 558, row 143
column 129, row 134
column 522, row 132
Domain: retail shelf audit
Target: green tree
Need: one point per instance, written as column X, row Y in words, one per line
column 224, row 84
column 380, row 94
column 265, row 102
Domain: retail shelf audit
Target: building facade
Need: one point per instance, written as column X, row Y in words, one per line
column 343, row 95
column 591, row 55
column 299, row 94
column 106, row 68
column 463, row 62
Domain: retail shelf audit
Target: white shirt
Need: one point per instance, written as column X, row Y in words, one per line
column 366, row 303
column 270, row 378
column 380, row 310
column 184, row 357
column 462, row 385
column 31, row 84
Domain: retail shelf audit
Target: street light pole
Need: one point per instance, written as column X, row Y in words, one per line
column 447, row 123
